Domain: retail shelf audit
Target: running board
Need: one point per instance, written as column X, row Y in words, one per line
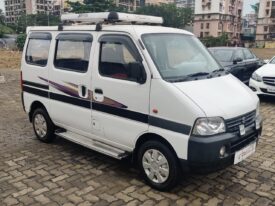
column 93, row 144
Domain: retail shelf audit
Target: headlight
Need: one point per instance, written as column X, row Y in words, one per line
column 257, row 77
column 209, row 126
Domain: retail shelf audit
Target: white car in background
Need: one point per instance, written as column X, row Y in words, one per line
column 263, row 80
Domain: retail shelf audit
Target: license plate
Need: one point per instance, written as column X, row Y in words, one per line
column 271, row 89
column 244, row 153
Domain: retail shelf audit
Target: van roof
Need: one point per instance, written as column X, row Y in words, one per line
column 138, row 29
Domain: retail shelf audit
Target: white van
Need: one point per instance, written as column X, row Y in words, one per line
column 124, row 88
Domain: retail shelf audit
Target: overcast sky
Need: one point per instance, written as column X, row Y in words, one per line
column 247, row 8
column 2, row 5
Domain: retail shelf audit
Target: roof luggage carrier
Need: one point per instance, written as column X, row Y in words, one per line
column 110, row 17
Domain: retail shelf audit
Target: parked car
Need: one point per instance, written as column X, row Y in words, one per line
column 263, row 80
column 240, row 62
column 152, row 93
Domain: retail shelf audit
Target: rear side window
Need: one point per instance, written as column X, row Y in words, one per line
column 73, row 52
column 38, row 49
column 248, row 54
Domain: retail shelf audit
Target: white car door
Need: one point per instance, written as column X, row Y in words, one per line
column 70, row 80
column 121, row 89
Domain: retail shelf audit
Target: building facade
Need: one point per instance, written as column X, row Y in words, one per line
column 15, row 8
column 129, row 4
column 185, row 4
column 266, row 21
column 215, row 17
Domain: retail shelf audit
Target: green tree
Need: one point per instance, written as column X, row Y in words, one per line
column 2, row 17
column 256, row 7
column 173, row 16
column 35, row 20
column 20, row 41
column 92, row 6
column 211, row 41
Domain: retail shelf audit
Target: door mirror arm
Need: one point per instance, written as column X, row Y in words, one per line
column 237, row 60
column 137, row 72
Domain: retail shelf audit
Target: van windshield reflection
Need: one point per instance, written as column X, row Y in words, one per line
column 180, row 57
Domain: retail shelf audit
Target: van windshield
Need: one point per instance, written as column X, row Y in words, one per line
column 179, row 57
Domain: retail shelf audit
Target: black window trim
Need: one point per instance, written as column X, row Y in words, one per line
column 77, row 39
column 128, row 42
column 38, row 36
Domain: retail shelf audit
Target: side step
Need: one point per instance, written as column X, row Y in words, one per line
column 93, row 144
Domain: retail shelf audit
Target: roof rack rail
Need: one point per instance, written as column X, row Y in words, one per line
column 111, row 17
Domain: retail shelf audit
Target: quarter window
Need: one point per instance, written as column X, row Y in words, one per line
column 38, row 49
column 73, row 52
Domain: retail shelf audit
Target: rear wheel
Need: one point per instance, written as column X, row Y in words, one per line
column 158, row 165
column 43, row 126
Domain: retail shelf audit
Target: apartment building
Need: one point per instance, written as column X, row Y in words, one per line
column 130, row 5
column 214, row 17
column 185, row 4
column 147, row 2
column 266, row 21
column 15, row 8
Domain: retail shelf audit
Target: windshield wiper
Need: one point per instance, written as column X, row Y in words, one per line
column 218, row 70
column 198, row 74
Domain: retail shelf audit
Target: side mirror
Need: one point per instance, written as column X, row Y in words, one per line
column 137, row 72
column 237, row 60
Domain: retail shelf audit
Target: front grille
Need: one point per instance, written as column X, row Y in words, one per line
column 269, row 80
column 243, row 141
column 248, row 120
column 265, row 91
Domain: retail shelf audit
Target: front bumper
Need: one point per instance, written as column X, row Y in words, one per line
column 260, row 88
column 204, row 152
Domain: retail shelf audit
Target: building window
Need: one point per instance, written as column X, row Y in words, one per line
column 201, row 25
column 201, row 35
column 268, row 4
column 267, row 12
column 266, row 28
column 207, row 25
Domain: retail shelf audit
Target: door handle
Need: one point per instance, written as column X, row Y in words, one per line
column 98, row 91
column 82, row 91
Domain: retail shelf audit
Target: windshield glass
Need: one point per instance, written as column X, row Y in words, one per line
column 272, row 61
column 222, row 55
column 179, row 55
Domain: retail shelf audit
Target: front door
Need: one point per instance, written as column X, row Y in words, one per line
column 120, row 103
column 69, row 80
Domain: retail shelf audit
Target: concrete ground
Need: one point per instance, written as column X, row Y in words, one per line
column 64, row 173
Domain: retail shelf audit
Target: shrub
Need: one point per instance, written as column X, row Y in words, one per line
column 20, row 41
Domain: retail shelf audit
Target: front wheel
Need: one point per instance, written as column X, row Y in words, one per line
column 159, row 165
column 43, row 126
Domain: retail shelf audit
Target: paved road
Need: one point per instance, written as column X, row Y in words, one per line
column 63, row 173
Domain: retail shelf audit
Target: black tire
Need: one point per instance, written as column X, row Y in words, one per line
column 174, row 169
column 50, row 128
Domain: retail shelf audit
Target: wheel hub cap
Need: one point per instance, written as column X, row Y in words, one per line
column 155, row 166
column 40, row 125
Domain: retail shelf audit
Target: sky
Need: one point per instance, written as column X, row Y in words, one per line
column 247, row 8
column 2, row 5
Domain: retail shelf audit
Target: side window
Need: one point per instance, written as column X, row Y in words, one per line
column 118, row 58
column 38, row 49
column 248, row 54
column 239, row 54
column 73, row 52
